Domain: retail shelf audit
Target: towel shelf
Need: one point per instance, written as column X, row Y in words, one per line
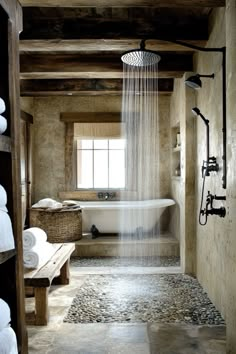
column 4, row 256
column 11, row 262
column 5, row 143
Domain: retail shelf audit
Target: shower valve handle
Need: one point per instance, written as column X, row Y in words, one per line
column 220, row 197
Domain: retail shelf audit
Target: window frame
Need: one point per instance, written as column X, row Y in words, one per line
column 93, row 149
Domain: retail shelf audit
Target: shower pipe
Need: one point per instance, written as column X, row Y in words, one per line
column 223, row 51
column 213, row 50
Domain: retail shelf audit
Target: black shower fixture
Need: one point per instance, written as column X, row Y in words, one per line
column 195, row 81
column 146, row 57
column 140, row 57
column 210, row 209
column 197, row 112
column 210, row 164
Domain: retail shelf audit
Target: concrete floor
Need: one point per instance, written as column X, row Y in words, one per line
column 116, row 338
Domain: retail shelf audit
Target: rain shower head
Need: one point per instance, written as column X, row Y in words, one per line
column 195, row 81
column 140, row 57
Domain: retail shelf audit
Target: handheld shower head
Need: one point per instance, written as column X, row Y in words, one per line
column 196, row 112
column 140, row 57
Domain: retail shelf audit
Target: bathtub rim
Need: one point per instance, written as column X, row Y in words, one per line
column 115, row 205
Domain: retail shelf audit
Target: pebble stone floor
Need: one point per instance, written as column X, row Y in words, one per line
column 125, row 262
column 141, row 313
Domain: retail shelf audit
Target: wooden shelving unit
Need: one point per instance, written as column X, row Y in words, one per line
column 11, row 262
column 4, row 256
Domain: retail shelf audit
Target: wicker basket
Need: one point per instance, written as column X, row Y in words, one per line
column 60, row 226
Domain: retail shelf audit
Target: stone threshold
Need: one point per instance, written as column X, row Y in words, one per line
column 111, row 246
column 125, row 270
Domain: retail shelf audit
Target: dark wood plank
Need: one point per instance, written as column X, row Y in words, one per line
column 112, row 28
column 124, row 3
column 90, row 46
column 74, row 67
column 81, row 86
column 100, row 63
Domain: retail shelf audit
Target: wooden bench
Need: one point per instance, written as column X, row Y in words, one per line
column 40, row 280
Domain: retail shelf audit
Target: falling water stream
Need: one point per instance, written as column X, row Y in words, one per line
column 141, row 132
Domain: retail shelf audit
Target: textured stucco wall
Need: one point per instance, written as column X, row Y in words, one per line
column 216, row 242
column 211, row 238
column 165, row 145
column 230, row 235
column 182, row 188
column 49, row 139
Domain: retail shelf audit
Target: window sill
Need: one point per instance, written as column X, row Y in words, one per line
column 93, row 194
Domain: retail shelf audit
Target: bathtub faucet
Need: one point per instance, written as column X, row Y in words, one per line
column 106, row 195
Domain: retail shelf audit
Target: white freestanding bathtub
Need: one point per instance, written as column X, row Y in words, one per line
column 122, row 216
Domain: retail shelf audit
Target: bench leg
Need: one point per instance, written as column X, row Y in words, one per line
column 65, row 273
column 64, row 277
column 41, row 306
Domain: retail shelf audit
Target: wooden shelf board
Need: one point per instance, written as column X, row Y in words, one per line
column 4, row 256
column 5, row 143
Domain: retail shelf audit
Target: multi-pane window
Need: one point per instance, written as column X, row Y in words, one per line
column 100, row 163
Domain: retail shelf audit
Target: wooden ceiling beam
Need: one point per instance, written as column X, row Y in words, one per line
column 93, row 75
column 81, row 87
column 121, row 28
column 124, row 3
column 75, row 66
column 90, row 46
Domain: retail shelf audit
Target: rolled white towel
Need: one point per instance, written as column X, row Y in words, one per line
column 2, row 106
column 33, row 236
column 5, row 314
column 38, row 255
column 47, row 203
column 8, row 343
column 3, row 199
column 3, row 124
column 6, row 234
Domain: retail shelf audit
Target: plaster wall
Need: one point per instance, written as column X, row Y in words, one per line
column 49, row 139
column 216, row 242
column 182, row 188
column 211, row 238
column 230, row 235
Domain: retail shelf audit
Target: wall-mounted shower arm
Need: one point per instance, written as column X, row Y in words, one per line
column 221, row 50
column 153, row 57
column 224, row 126
column 196, row 111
